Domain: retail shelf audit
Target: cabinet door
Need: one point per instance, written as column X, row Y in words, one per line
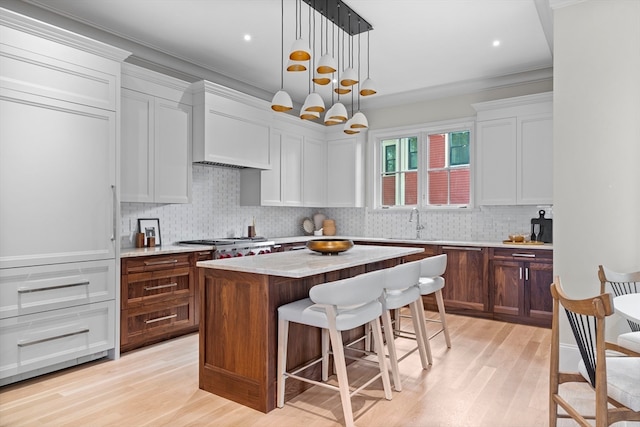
column 507, row 284
column 344, row 173
column 496, row 157
column 172, row 152
column 271, row 180
column 137, row 153
column 539, row 303
column 465, row 283
column 314, row 167
column 57, row 173
column 535, row 160
column 291, row 158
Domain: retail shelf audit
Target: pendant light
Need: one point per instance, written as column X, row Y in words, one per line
column 349, row 77
column 281, row 100
column 338, row 112
column 348, row 129
column 359, row 120
column 368, row 87
column 313, row 102
column 326, row 64
column 341, row 89
column 300, row 50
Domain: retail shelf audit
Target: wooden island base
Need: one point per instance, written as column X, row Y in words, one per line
column 238, row 330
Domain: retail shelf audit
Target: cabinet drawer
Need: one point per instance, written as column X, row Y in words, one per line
column 153, row 287
column 523, row 254
column 38, row 340
column 155, row 263
column 28, row 290
column 143, row 324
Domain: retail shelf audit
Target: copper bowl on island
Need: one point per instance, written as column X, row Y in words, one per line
column 329, row 246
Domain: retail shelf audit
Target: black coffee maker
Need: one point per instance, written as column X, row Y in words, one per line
column 542, row 228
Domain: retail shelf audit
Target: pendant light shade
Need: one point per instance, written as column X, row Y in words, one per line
column 322, row 79
column 342, row 90
column 368, row 87
column 296, row 66
column 313, row 103
column 338, row 112
column 349, row 130
column 309, row 115
column 349, row 77
column 300, row 51
column 281, row 102
column 359, row 121
column 326, row 65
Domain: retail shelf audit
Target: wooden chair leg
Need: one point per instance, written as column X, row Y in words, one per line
column 379, row 344
column 443, row 319
column 391, row 347
column 325, row 354
column 341, row 372
column 419, row 325
column 283, row 338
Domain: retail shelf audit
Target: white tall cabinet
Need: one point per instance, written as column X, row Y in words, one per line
column 58, row 198
column 514, row 151
column 155, row 157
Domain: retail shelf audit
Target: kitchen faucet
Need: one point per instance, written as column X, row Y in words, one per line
column 418, row 225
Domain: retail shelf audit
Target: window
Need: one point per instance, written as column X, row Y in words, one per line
column 429, row 167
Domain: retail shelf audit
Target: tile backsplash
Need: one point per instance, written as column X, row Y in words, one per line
column 215, row 211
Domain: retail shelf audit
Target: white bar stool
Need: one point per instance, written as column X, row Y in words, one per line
column 335, row 307
column 401, row 289
column 432, row 282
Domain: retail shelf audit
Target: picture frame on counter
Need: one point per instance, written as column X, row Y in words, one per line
column 150, row 227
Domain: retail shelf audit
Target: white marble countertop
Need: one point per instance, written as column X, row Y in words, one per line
column 168, row 249
column 305, row 263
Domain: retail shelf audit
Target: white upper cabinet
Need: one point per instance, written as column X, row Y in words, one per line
column 345, row 171
column 514, row 151
column 230, row 128
column 156, row 138
column 314, row 171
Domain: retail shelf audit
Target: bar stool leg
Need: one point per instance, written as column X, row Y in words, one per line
column 443, row 320
column 341, row 373
column 283, row 338
column 379, row 344
column 391, row 347
column 417, row 315
column 325, row 354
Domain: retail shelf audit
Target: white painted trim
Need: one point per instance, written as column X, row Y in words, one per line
column 557, row 4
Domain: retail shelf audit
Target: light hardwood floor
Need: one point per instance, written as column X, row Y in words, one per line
column 495, row 374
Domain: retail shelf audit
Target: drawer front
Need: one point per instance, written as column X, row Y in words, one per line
column 28, row 290
column 523, row 254
column 144, row 323
column 151, row 288
column 38, row 340
column 155, row 263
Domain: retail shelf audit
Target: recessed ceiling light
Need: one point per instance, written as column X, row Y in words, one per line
column 496, row 43
column 247, row 37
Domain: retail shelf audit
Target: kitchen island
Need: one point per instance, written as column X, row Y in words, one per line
column 238, row 323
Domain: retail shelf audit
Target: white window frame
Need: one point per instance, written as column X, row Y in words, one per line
column 421, row 131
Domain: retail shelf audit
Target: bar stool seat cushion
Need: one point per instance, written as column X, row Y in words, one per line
column 306, row 312
column 623, row 377
column 630, row 340
column 429, row 285
column 399, row 298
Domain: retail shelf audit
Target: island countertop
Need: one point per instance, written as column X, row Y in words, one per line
column 304, row 263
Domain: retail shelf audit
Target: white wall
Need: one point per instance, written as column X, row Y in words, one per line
column 596, row 143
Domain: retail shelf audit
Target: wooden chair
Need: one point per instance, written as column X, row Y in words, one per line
column 621, row 284
column 615, row 380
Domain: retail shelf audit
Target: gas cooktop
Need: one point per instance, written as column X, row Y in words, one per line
column 223, row 241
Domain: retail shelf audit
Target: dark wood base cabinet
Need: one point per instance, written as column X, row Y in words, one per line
column 158, row 298
column 520, row 281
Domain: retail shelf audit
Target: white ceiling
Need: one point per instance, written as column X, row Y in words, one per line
column 418, row 47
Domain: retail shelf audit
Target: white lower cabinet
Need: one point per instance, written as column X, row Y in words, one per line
column 36, row 341
column 514, row 151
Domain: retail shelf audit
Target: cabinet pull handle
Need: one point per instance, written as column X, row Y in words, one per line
column 153, row 288
column 461, row 248
column 158, row 319
column 526, row 273
column 520, row 269
column 48, row 288
column 113, row 213
column 523, row 255
column 41, row 340
column 169, row 261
